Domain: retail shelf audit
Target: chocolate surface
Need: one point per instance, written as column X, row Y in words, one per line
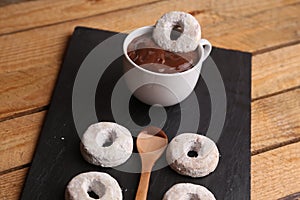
column 147, row 54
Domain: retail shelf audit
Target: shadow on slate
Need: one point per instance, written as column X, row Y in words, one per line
column 57, row 158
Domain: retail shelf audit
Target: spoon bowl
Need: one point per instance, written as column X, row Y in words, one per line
column 151, row 143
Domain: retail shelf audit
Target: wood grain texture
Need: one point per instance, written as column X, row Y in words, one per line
column 246, row 8
column 21, row 56
column 279, row 182
column 18, row 140
column 7, row 2
column 22, row 91
column 295, row 196
column 276, row 173
column 275, row 71
column 275, row 121
column 11, row 184
column 16, row 17
column 257, row 32
column 19, row 17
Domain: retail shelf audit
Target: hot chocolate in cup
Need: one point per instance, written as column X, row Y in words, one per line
column 153, row 87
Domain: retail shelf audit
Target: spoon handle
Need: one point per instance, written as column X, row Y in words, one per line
column 142, row 191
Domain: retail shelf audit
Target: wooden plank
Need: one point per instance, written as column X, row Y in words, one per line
column 275, row 121
column 22, row 91
column 275, row 71
column 7, row 2
column 257, row 32
column 295, row 196
column 235, row 8
column 19, row 17
column 11, row 184
column 26, row 15
column 279, row 182
column 18, row 140
column 276, row 173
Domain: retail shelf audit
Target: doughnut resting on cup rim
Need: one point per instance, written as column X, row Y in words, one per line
column 188, row 39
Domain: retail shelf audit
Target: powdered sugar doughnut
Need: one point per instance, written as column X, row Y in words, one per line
column 188, row 191
column 106, row 144
column 189, row 38
column 192, row 155
column 101, row 184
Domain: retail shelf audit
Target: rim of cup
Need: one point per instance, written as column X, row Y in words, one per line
column 195, row 67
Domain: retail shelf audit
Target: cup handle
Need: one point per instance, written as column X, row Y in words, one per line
column 206, row 48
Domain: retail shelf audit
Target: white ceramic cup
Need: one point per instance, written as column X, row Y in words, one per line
column 161, row 88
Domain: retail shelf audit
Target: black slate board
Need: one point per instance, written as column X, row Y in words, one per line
column 58, row 159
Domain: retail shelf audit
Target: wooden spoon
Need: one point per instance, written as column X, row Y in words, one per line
column 151, row 143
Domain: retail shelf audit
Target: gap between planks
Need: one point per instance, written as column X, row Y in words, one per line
column 11, row 184
column 90, row 12
column 275, row 174
column 275, row 93
column 275, row 146
column 275, row 121
column 9, row 2
column 276, row 47
column 24, row 113
column 295, row 196
column 28, row 165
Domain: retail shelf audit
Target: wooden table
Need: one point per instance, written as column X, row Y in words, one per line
column 34, row 35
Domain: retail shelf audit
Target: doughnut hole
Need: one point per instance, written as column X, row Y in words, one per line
column 192, row 196
column 93, row 195
column 110, row 139
column 106, row 139
column 96, row 190
column 176, row 31
column 193, row 152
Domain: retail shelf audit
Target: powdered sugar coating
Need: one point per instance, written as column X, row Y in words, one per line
column 188, row 191
column 187, row 41
column 102, row 184
column 201, row 165
column 93, row 142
